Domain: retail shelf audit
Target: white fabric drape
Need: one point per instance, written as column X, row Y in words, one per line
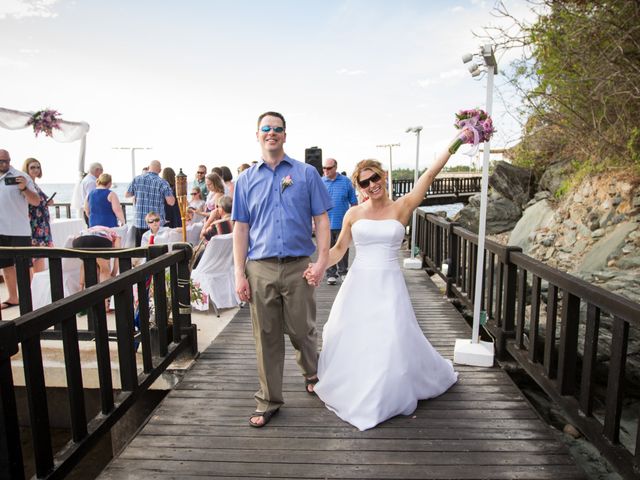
column 67, row 133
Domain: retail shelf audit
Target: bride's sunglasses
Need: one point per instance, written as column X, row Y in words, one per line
column 365, row 183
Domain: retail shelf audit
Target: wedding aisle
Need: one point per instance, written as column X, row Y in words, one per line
column 481, row 428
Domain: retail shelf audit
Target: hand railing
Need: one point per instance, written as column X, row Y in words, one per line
column 554, row 325
column 24, row 336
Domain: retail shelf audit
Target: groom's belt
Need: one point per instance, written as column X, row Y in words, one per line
column 283, row 259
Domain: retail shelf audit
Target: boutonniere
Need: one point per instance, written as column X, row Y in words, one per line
column 286, row 182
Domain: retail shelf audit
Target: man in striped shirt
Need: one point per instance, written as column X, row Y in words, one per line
column 343, row 195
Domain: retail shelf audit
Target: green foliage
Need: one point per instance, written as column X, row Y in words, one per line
column 580, row 83
column 405, row 173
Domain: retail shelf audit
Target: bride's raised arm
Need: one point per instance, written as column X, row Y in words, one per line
column 412, row 200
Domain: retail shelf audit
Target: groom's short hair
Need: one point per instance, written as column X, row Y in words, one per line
column 273, row 114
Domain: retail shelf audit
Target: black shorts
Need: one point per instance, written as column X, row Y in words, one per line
column 91, row 241
column 12, row 241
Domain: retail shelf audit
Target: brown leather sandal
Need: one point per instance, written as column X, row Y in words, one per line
column 265, row 415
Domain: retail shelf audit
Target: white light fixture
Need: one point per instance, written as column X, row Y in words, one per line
column 390, row 176
column 414, row 263
column 133, row 157
column 475, row 351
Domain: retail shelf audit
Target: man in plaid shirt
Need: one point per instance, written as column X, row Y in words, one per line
column 150, row 192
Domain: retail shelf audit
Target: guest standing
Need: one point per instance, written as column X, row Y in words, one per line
column 102, row 205
column 88, row 184
column 227, row 178
column 15, row 231
column 343, row 196
column 38, row 214
column 171, row 212
column 150, row 192
column 200, row 180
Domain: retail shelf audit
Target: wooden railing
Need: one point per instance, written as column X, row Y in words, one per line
column 441, row 186
column 539, row 328
column 24, row 335
column 56, row 210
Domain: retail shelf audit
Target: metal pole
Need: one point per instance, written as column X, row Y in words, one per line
column 133, row 163
column 483, row 215
column 415, row 181
column 390, row 172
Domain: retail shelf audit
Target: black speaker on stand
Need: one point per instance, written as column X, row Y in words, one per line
column 313, row 156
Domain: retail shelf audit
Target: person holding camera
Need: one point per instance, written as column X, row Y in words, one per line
column 17, row 192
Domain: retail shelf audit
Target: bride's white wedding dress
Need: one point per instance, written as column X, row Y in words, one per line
column 375, row 361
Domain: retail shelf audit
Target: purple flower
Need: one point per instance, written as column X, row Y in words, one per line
column 45, row 121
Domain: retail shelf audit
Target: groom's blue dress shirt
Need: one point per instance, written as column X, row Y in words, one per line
column 279, row 216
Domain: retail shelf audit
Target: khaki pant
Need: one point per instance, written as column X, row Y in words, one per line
column 281, row 302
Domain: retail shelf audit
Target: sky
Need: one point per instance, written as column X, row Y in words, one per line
column 188, row 79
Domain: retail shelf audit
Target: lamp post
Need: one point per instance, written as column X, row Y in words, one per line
column 390, row 147
column 413, row 262
column 477, row 352
column 133, row 157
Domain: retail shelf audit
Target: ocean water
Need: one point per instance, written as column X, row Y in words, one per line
column 451, row 209
column 65, row 191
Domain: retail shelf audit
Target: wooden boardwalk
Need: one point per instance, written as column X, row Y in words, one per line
column 481, row 428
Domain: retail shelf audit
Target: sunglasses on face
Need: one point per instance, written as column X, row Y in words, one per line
column 329, row 168
column 201, row 173
column 34, row 167
column 365, row 183
column 267, row 129
column 154, row 220
column 194, row 193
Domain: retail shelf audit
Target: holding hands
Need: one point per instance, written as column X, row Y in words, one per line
column 314, row 274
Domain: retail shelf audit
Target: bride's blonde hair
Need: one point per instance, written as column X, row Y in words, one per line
column 368, row 164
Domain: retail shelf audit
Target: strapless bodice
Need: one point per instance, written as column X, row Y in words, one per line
column 377, row 242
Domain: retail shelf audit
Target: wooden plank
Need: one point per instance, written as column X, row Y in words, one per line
column 201, row 427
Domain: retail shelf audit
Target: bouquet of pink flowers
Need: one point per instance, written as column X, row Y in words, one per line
column 44, row 121
column 476, row 127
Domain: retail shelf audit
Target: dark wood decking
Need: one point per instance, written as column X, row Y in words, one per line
column 481, row 428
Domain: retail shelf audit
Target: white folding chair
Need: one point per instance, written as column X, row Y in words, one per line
column 215, row 273
column 41, row 286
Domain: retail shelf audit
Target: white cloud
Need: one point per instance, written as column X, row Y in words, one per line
column 6, row 62
column 27, row 8
column 448, row 75
column 457, row 9
column 350, row 73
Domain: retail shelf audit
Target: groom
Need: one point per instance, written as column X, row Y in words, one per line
column 273, row 205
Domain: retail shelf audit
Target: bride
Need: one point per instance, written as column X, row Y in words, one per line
column 375, row 361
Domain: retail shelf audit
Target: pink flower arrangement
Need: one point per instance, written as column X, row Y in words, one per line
column 476, row 127
column 286, row 182
column 44, row 121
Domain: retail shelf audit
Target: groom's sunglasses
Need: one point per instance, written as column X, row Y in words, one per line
column 365, row 183
column 267, row 129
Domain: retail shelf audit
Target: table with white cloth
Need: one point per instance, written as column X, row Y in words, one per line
column 62, row 228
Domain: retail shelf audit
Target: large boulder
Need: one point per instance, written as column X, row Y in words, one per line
column 537, row 216
column 502, row 214
column 512, row 182
column 553, row 176
column 610, row 244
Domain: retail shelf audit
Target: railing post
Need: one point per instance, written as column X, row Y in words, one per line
column 160, row 301
column 509, row 283
column 454, row 253
column 10, row 445
column 184, row 299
